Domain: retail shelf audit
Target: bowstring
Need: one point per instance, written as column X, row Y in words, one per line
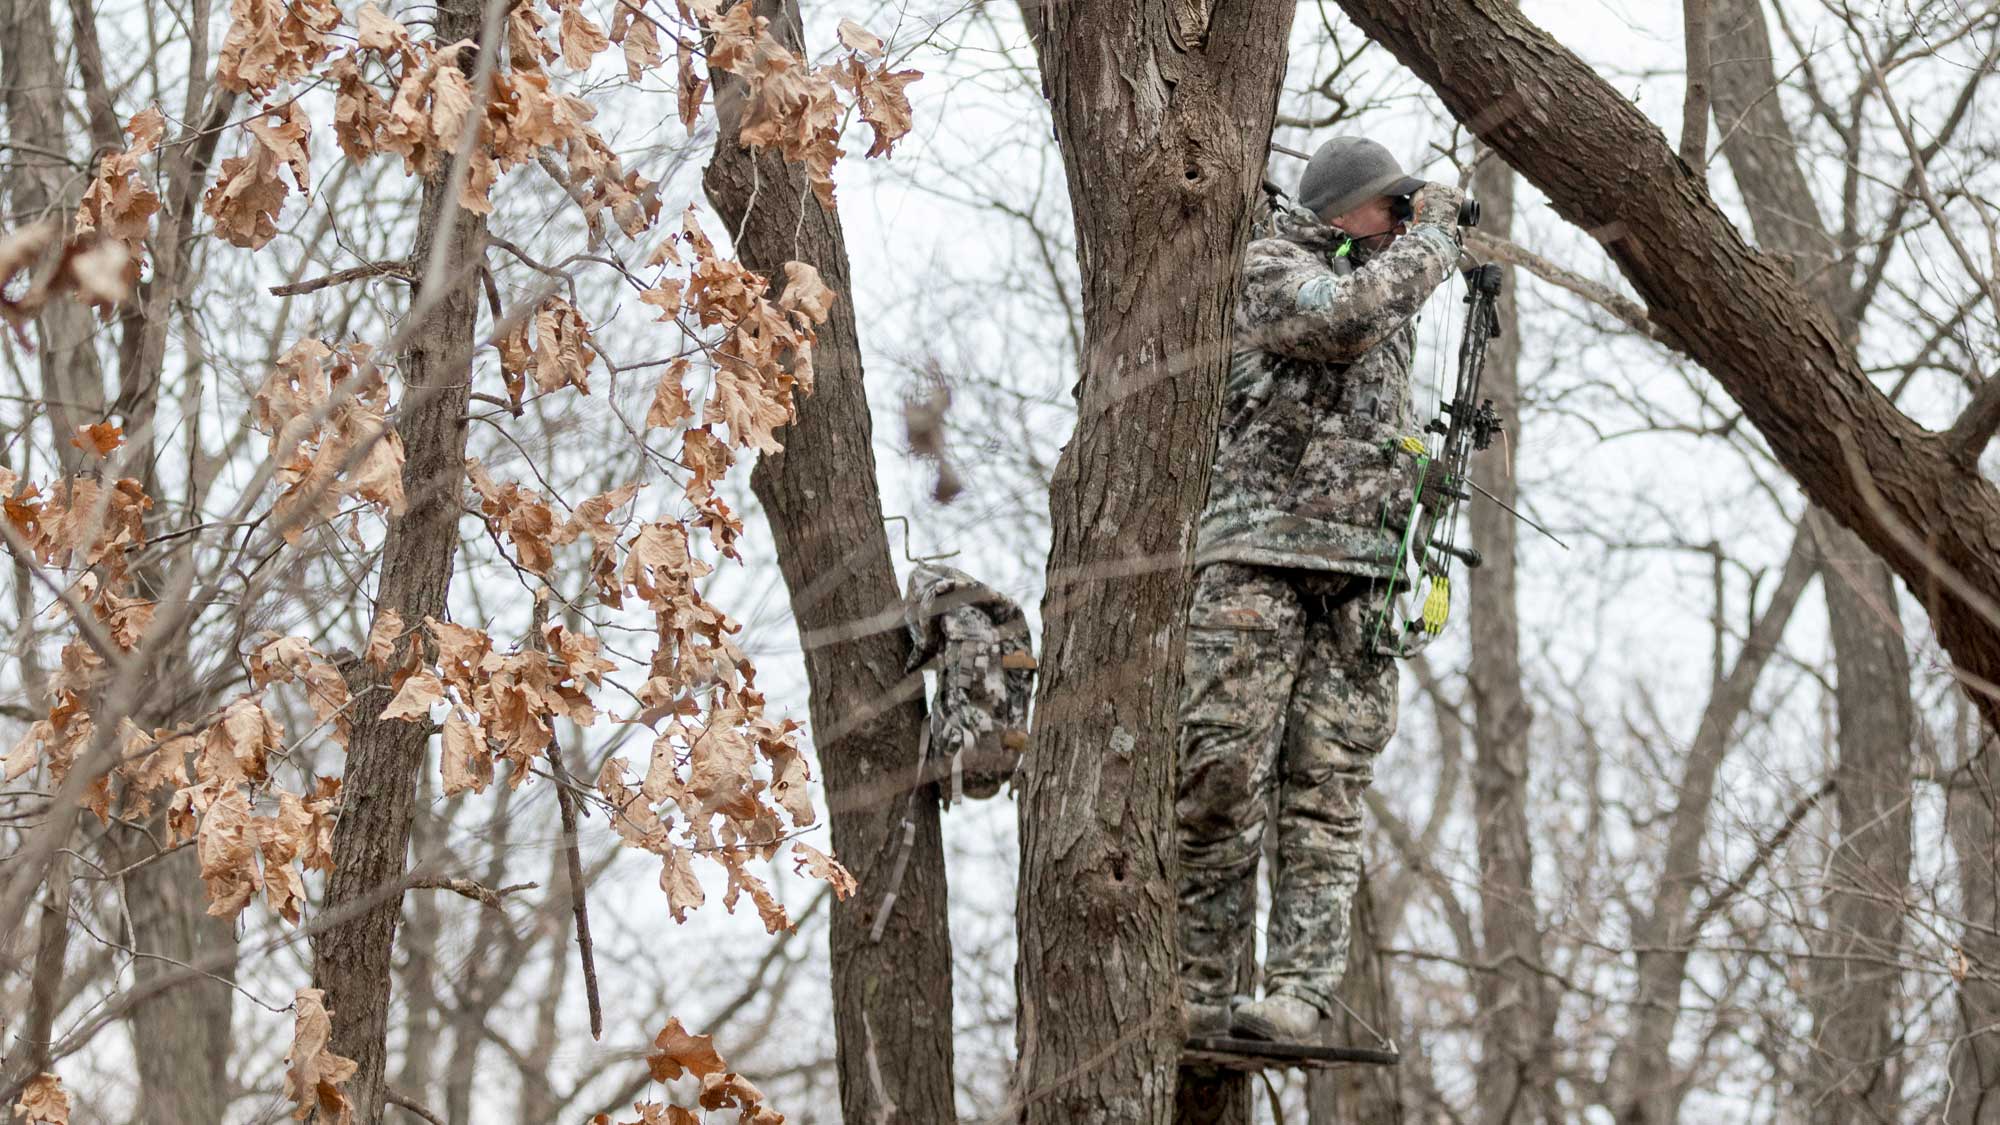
column 1464, row 325
column 1442, row 354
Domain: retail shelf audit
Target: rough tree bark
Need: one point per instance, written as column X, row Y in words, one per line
column 1516, row 1012
column 1163, row 110
column 352, row 956
column 1853, row 981
column 892, row 999
column 1912, row 495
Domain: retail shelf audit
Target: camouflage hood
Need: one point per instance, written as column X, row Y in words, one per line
column 1303, row 229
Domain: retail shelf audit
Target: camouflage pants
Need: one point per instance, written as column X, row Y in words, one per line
column 1284, row 696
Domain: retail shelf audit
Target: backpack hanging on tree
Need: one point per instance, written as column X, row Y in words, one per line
column 976, row 640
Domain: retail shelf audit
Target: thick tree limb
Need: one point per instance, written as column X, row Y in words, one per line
column 1968, row 436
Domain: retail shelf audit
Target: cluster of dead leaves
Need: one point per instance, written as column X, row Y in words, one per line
column 431, row 110
column 269, row 44
column 119, row 205
column 91, row 525
column 242, row 851
column 398, row 94
column 723, row 781
column 526, row 522
column 91, row 268
column 676, row 1052
column 217, row 771
column 411, row 97
column 247, row 195
column 761, row 352
column 313, row 1072
column 553, row 345
column 43, row 1101
column 272, row 42
column 789, row 106
column 501, row 706
column 324, row 409
column 85, row 522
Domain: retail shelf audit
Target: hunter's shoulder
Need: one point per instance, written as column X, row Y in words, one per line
column 1278, row 253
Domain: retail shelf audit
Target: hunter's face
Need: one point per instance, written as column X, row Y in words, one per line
column 1373, row 224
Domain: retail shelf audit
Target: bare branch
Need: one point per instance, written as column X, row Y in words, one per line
column 490, row 897
column 1597, row 293
column 400, row 269
column 1694, row 107
column 402, row 1100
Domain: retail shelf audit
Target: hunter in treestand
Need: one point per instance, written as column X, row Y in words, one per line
column 1285, row 692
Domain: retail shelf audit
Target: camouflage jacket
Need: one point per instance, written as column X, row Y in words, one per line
column 1319, row 385
column 976, row 640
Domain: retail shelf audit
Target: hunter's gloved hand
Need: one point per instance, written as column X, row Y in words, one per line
column 1436, row 205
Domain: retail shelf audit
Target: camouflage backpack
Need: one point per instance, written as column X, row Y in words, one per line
column 976, row 640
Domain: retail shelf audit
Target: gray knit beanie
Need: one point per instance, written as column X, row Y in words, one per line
column 1348, row 171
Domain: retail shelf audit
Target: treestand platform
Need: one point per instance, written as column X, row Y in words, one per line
column 1256, row 1054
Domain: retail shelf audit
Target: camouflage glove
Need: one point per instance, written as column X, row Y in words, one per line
column 1434, row 219
column 1436, row 205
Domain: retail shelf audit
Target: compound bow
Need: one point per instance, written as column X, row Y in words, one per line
column 1427, row 532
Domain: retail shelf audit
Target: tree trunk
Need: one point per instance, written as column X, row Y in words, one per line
column 43, row 185
column 1857, row 965
column 1854, row 979
column 1514, row 1004
column 892, row 999
column 1644, row 1088
column 1971, row 798
column 352, row 957
column 182, row 1034
column 1913, row 496
column 1163, row 111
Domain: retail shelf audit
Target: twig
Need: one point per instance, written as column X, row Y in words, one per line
column 566, row 788
column 1765, row 852
column 566, row 803
column 1631, row 312
column 401, row 1100
column 398, row 268
column 490, row 897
